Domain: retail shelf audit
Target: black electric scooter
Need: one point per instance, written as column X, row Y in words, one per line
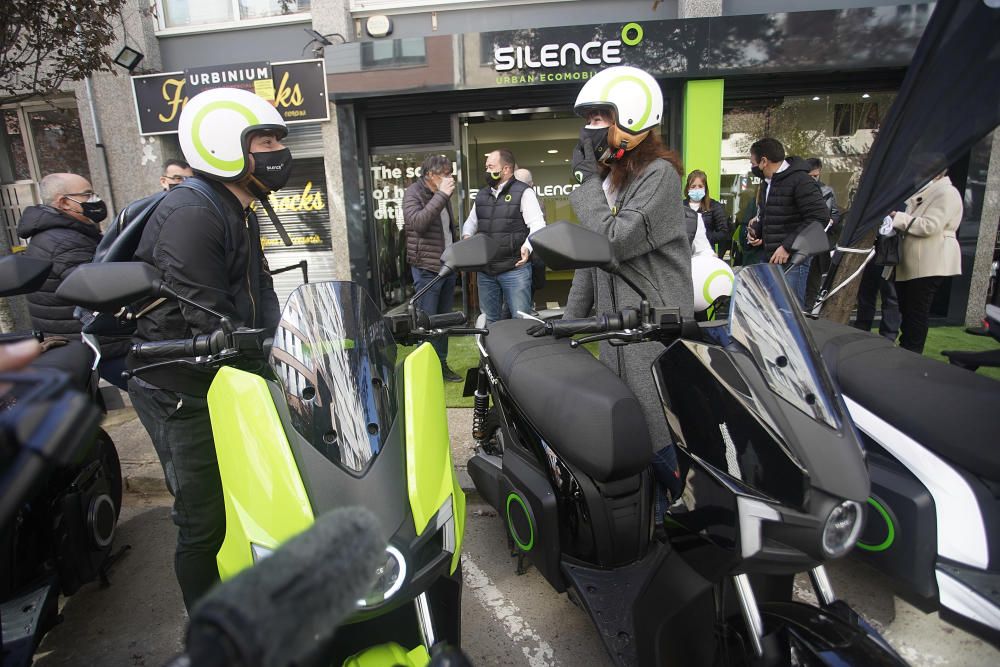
column 932, row 520
column 60, row 481
column 774, row 470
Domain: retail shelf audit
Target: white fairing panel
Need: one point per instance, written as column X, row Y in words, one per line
column 961, row 534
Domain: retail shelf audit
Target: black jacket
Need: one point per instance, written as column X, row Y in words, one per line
column 67, row 243
column 422, row 220
column 215, row 262
column 793, row 202
column 717, row 227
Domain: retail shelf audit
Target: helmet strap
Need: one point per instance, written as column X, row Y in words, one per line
column 258, row 190
column 620, row 142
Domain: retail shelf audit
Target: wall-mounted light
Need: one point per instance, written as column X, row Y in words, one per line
column 379, row 25
column 320, row 41
column 128, row 58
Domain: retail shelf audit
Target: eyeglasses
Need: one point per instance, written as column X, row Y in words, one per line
column 176, row 179
column 90, row 195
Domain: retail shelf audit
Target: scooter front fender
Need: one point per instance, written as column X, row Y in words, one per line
column 833, row 636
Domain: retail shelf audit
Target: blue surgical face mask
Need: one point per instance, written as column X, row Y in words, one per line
column 696, row 194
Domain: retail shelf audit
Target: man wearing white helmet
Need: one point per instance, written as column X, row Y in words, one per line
column 208, row 249
column 630, row 191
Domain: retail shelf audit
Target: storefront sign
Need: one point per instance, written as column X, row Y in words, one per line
column 301, row 207
column 555, row 55
column 297, row 89
column 540, row 61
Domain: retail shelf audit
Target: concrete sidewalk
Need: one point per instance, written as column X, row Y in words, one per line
column 142, row 472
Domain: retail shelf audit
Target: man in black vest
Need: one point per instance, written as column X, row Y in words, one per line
column 507, row 210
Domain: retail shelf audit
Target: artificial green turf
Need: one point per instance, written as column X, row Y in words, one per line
column 956, row 338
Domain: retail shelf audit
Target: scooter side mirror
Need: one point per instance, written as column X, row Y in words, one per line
column 111, row 285
column 107, row 286
column 563, row 246
column 22, row 275
column 468, row 255
column 810, row 241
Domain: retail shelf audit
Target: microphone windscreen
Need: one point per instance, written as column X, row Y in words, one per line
column 293, row 600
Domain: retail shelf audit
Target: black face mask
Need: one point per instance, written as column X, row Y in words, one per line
column 95, row 211
column 756, row 171
column 493, row 178
column 273, row 168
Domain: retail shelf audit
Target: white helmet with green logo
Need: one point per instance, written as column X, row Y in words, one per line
column 214, row 130
column 632, row 93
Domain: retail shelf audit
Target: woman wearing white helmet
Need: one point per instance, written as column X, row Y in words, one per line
column 630, row 191
column 205, row 239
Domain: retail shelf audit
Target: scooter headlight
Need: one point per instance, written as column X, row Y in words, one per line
column 842, row 528
column 389, row 578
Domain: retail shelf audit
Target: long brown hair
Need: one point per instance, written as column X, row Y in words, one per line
column 636, row 160
column 705, row 203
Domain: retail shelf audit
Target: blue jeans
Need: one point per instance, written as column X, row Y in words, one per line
column 797, row 279
column 514, row 287
column 438, row 299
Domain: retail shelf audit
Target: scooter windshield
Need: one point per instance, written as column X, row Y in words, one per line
column 765, row 318
column 335, row 360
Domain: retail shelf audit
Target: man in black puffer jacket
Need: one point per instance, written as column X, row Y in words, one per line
column 65, row 231
column 791, row 200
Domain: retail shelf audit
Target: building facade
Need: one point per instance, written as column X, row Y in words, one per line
column 405, row 78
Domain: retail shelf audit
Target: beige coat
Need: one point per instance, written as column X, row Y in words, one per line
column 930, row 248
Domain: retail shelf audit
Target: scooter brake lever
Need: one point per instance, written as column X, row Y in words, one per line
column 615, row 337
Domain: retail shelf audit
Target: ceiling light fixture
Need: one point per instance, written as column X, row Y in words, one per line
column 552, row 151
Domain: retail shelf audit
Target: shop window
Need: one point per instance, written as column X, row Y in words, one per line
column 191, row 13
column 390, row 53
column 849, row 118
column 15, row 154
column 58, row 142
column 837, row 128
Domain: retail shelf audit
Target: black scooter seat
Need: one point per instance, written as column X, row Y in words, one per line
column 582, row 409
column 950, row 411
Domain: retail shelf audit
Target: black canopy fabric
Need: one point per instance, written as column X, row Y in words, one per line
column 949, row 100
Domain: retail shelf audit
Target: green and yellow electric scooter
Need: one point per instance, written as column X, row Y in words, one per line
column 321, row 417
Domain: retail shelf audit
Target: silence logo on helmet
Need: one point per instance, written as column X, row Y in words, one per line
column 551, row 56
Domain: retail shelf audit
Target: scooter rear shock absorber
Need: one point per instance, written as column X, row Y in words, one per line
column 480, row 407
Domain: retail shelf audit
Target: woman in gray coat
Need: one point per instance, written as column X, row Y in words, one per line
column 630, row 191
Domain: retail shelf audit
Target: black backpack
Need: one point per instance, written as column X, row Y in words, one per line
column 119, row 244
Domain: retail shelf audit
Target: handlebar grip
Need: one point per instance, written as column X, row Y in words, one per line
column 160, row 349
column 625, row 319
column 200, row 345
column 565, row 328
column 442, row 320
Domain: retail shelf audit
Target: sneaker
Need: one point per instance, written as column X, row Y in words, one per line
column 449, row 375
